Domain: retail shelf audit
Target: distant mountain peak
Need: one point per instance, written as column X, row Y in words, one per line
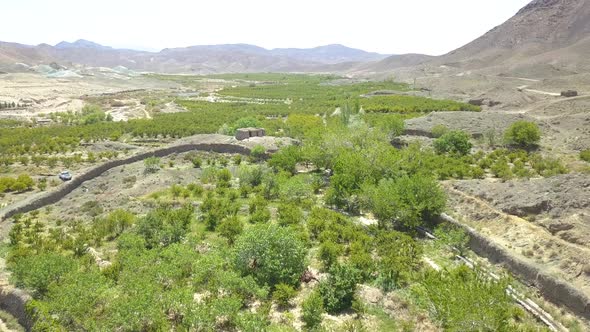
column 80, row 43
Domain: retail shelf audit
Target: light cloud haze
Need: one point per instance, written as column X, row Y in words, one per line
column 394, row 27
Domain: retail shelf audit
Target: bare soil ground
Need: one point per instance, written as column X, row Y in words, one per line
column 558, row 253
column 45, row 95
column 560, row 204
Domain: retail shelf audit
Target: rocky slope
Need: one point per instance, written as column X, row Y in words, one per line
column 545, row 38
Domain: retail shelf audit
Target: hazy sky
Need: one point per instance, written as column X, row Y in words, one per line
column 386, row 26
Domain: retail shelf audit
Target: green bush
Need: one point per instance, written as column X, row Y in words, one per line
column 197, row 162
column 286, row 159
column 260, row 216
column 455, row 142
column 585, row 155
column 462, row 299
column 289, row 214
column 37, row 272
column 329, row 253
column 407, row 201
column 231, row 228
column 338, row 289
column 283, row 294
column 223, row 178
column 399, row 257
column 271, row 254
column 439, row 130
column 312, row 309
column 258, row 153
column 453, row 237
column 523, row 133
column 214, row 210
column 165, row 226
column 152, row 164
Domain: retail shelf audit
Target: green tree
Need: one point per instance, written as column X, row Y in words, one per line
column 164, row 226
column 523, row 133
column 248, row 122
column 231, row 228
column 399, row 257
column 271, row 254
column 286, row 159
column 300, row 125
column 329, row 253
column 455, row 142
column 407, row 201
column 312, row 309
column 338, row 289
column 289, row 214
column 283, row 294
column 37, row 272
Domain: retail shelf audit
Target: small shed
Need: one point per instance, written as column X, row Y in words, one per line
column 245, row 133
column 569, row 93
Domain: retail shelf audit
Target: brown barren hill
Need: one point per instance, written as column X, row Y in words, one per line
column 552, row 32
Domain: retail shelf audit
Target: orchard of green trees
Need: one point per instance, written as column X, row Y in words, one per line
column 254, row 238
column 19, row 184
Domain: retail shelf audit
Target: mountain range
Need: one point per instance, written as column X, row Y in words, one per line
column 196, row 59
column 546, row 37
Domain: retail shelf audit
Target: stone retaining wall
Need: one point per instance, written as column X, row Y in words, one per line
column 553, row 289
column 14, row 301
column 55, row 196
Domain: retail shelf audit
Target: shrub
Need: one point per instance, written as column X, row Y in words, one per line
column 257, row 153
column 37, row 272
column 289, row 214
column 164, row 226
column 439, row 130
column 118, row 221
column 286, row 159
column 523, row 133
column 329, row 253
column 215, row 210
column 399, row 257
column 271, row 254
column 260, row 216
column 455, row 142
column 338, row 289
column 312, row 309
column 247, row 122
column 230, row 228
column 501, row 169
column 223, row 178
column 152, row 164
column 197, row 162
column 462, row 299
column 283, row 294
column 407, row 200
column 453, row 237
column 585, row 155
